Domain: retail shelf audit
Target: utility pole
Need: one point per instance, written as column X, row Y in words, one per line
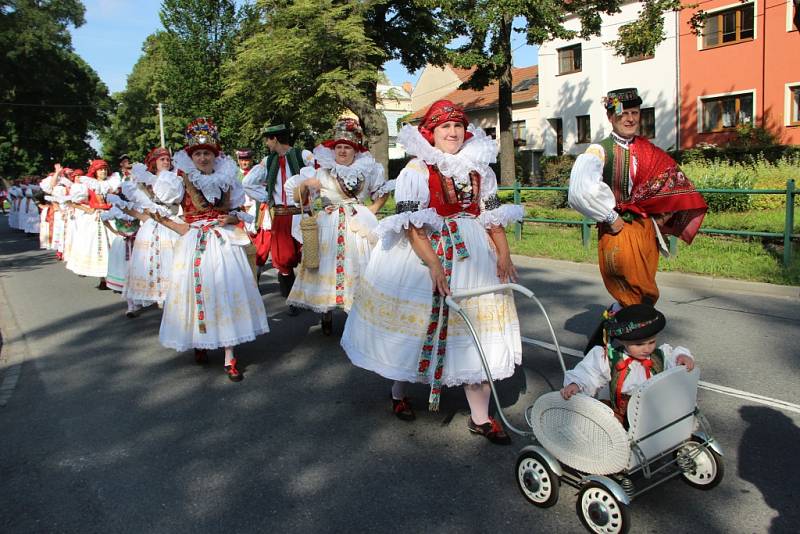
column 161, row 123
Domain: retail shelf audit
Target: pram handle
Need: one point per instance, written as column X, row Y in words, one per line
column 464, row 293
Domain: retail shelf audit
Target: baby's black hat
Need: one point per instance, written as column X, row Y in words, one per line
column 639, row 321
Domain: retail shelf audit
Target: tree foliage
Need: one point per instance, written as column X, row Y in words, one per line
column 182, row 68
column 487, row 27
column 309, row 60
column 50, row 99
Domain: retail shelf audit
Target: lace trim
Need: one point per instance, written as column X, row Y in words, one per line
column 213, row 185
column 502, row 216
column 363, row 167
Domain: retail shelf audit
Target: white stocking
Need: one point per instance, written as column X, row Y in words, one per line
column 478, row 396
column 398, row 390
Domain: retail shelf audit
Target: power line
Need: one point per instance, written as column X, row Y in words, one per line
column 23, row 105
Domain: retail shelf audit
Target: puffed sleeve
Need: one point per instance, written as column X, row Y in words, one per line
column 305, row 174
column 493, row 212
column 142, row 175
column 377, row 184
column 254, row 183
column 411, row 204
column 168, row 188
column 79, row 193
column 588, row 194
column 592, row 373
column 237, row 194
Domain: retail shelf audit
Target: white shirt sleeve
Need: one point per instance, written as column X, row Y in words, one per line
column 412, row 184
column 588, row 194
column 592, row 373
column 168, row 188
column 254, row 183
column 671, row 354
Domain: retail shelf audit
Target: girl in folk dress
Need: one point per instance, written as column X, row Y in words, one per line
column 151, row 258
column 448, row 234
column 213, row 300
column 92, row 240
column 346, row 177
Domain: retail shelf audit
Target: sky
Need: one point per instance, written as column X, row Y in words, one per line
column 111, row 41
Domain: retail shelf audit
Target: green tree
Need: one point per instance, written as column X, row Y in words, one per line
column 306, row 61
column 488, row 25
column 50, row 99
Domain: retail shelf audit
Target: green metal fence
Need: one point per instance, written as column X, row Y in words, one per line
column 790, row 192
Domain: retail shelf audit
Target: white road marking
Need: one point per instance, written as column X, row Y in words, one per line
column 708, row 386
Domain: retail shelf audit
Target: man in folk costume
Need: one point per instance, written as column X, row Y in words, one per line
column 265, row 183
column 125, row 167
column 244, row 159
column 636, row 193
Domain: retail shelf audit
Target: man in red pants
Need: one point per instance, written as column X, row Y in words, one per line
column 265, row 183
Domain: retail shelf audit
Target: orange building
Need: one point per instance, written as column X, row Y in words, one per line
column 744, row 68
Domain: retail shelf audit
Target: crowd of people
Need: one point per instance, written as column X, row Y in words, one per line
column 191, row 233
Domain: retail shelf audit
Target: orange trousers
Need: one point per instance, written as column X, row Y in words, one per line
column 629, row 261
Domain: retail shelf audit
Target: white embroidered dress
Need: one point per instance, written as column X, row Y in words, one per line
column 392, row 312
column 152, row 256
column 344, row 226
column 212, row 300
column 91, row 240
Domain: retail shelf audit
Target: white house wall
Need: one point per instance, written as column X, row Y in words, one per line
column 570, row 95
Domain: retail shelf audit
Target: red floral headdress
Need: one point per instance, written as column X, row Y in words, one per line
column 202, row 133
column 440, row 112
column 152, row 157
column 347, row 131
column 95, row 166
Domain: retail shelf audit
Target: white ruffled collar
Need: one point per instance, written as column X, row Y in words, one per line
column 211, row 185
column 475, row 155
column 363, row 166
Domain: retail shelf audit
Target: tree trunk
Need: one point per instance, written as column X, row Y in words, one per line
column 376, row 128
column 507, row 166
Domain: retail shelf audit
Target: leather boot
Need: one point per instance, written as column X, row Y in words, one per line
column 285, row 282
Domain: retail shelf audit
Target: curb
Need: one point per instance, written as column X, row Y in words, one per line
column 671, row 279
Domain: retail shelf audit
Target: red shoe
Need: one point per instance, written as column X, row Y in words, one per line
column 493, row 431
column 200, row 356
column 402, row 409
column 233, row 373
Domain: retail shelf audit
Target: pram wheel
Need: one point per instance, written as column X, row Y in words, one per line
column 702, row 466
column 537, row 482
column 600, row 511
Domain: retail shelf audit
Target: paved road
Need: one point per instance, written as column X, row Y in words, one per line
column 106, row 431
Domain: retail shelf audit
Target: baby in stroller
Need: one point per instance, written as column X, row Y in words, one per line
column 628, row 359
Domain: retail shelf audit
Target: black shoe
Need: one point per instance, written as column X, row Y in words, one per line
column 132, row 314
column 402, row 409
column 493, row 431
column 102, row 286
column 327, row 323
column 294, row 311
column 285, row 282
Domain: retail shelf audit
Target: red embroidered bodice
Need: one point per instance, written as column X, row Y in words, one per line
column 447, row 200
column 97, row 201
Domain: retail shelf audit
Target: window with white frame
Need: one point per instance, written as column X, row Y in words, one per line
column 794, row 105
column 729, row 26
column 726, row 112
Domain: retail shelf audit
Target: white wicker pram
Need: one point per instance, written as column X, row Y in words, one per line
column 583, row 445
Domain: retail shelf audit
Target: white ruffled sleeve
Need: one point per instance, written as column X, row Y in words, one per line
column 588, row 194
column 242, row 216
column 168, row 188
column 671, row 354
column 237, row 195
column 493, row 212
column 305, row 174
column 254, row 183
column 47, row 184
column 412, row 196
column 142, row 175
column 115, row 213
column 79, row 193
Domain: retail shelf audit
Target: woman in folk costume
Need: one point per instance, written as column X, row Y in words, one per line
column 347, row 176
column 213, row 300
column 92, row 240
column 33, row 194
column 448, row 234
column 124, row 227
column 151, row 258
column 14, row 194
column 64, row 197
column 47, row 209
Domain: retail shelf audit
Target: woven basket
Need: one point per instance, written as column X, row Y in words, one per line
column 581, row 432
column 310, row 231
